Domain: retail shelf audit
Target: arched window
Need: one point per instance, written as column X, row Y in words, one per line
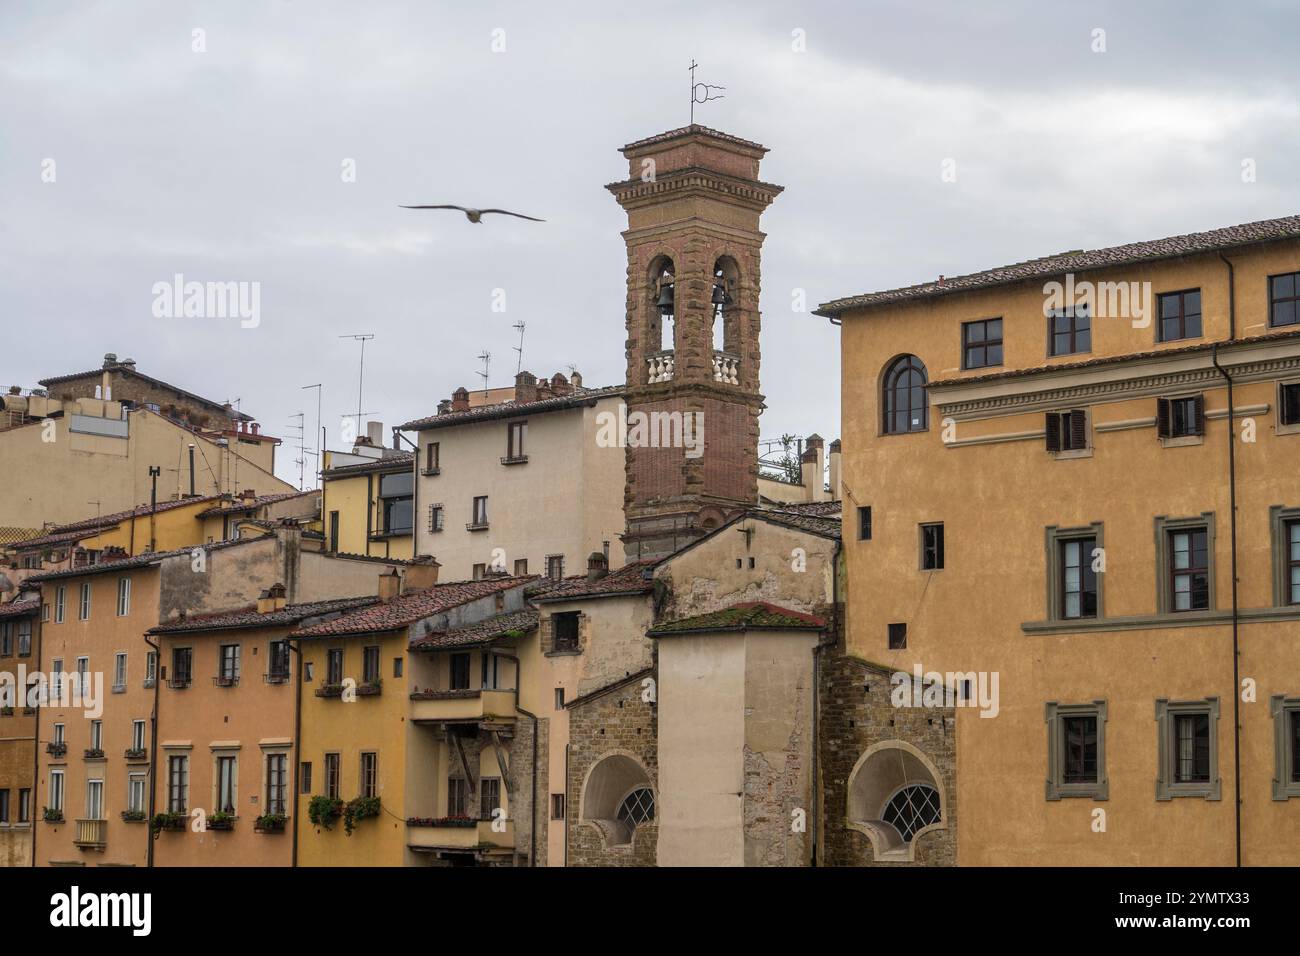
column 905, row 399
column 912, row 808
column 637, row 807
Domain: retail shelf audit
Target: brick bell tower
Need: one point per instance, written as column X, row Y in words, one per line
column 693, row 200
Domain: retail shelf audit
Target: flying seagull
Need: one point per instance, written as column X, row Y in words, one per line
column 476, row 215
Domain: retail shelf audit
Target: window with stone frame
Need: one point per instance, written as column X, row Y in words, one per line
column 1076, row 750
column 1285, row 528
column 565, row 630
column 490, row 797
column 1180, row 418
column 1185, row 568
column 1286, row 746
column 1187, row 749
column 1075, row 573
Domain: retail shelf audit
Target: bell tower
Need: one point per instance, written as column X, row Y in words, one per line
column 693, row 201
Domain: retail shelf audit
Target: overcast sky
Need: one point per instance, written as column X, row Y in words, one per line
column 227, row 165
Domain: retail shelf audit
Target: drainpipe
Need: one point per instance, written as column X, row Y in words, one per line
column 36, row 736
column 153, row 749
column 532, row 826
column 297, row 753
column 567, row 747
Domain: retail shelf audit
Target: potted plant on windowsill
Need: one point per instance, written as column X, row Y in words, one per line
column 220, row 820
column 361, row 808
column 94, row 753
column 270, row 823
column 50, row 815
column 370, row 688
column 136, row 753
column 322, row 811
column 461, row 821
column 330, row 690
column 173, row 820
column 134, row 816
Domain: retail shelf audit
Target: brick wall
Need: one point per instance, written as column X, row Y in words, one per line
column 856, row 713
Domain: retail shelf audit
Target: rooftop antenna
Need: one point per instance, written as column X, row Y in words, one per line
column 319, row 392
column 700, row 92
column 300, row 428
column 486, row 358
column 363, row 338
column 519, row 367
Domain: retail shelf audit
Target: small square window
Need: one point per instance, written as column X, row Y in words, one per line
column 897, row 637
column 1180, row 315
column 1180, row 417
column 1067, row 431
column 565, row 632
column 1069, row 331
column 1284, row 300
column 1288, row 403
column 981, row 343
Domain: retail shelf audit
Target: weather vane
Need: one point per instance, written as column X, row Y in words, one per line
column 700, row 92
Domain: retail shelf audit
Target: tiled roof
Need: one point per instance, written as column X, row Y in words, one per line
column 399, row 462
column 239, row 504
column 629, row 579
column 826, row 527
column 687, row 131
column 815, row 508
column 130, row 370
column 410, row 607
column 1267, row 230
column 484, row 632
column 139, row 561
column 757, row 615
column 87, row 527
column 483, row 413
column 19, row 608
column 1118, row 359
column 248, row 617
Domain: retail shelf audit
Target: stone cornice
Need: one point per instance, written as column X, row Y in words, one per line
column 1111, row 383
column 694, row 180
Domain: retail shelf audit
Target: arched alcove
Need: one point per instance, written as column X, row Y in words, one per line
column 895, row 795
column 617, row 796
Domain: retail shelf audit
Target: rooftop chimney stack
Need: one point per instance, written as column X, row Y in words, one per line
column 835, row 471
column 460, row 400
column 597, row 566
column 390, row 585
column 525, row 387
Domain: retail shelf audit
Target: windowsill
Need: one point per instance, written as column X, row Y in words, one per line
column 471, row 526
column 516, row 460
column 1151, row 622
column 1086, row 791
column 149, row 683
column 1201, row 791
column 119, row 688
column 396, row 533
column 430, row 472
column 563, row 652
column 1183, row 441
column 1073, row 453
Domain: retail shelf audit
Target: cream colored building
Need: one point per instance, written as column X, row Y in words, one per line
column 526, row 486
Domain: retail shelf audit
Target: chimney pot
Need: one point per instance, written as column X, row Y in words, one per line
column 460, row 400
column 597, row 566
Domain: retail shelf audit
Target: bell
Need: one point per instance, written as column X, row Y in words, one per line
column 665, row 301
column 720, row 296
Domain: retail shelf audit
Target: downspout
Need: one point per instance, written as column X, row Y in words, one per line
column 36, row 737
column 1232, row 498
column 532, row 827
column 297, row 753
column 567, row 746
column 153, row 749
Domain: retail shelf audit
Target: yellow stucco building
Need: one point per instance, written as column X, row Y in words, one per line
column 1041, row 468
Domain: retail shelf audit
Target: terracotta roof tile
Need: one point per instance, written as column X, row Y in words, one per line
column 756, row 615
column 20, row 608
column 410, row 607
column 483, row 413
column 399, row 462
column 629, row 579
column 237, row 505
column 131, row 371
column 689, row 130
column 248, row 617
column 87, row 527
column 495, row 628
column 139, row 561
column 1267, row 230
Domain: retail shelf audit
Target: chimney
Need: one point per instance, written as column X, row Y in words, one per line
column 835, row 471
column 597, row 566
column 390, row 585
column 460, row 400
column 817, row 487
column 421, row 573
column 809, row 473
column 375, row 432
column 272, row 599
column 576, row 380
column 560, row 385
column 525, row 387
column 112, row 553
column 444, row 406
column 248, row 494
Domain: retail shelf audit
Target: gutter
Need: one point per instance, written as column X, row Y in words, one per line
column 1232, row 498
column 153, row 749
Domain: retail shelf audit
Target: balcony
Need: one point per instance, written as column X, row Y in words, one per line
column 463, row 706
column 179, row 683
column 90, row 834
column 726, row 368
column 514, row 459
column 479, row 835
column 276, row 677
column 137, row 754
column 94, row 753
column 56, row 750
column 225, row 680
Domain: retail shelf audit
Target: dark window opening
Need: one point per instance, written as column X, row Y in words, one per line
column 1078, row 583
column 1079, row 754
column 459, row 671
column 931, row 547
column 1284, row 300
column 1189, row 569
column 905, row 396
column 981, row 343
column 1180, row 417
column 1192, row 748
column 864, row 523
column 897, row 637
column 1180, row 315
column 566, row 630
column 1067, row 431
column 1069, row 331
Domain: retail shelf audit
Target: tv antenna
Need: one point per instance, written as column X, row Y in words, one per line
column 300, row 427
column 520, row 347
column 363, row 338
column 701, row 92
column 319, row 431
column 486, row 358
